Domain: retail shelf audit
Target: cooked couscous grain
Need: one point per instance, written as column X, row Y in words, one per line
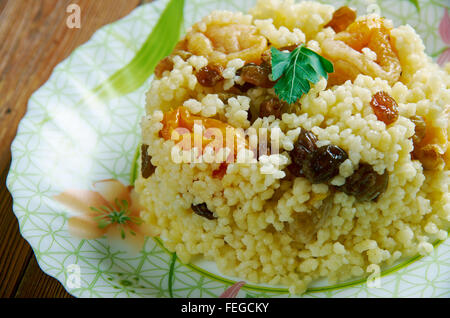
column 266, row 224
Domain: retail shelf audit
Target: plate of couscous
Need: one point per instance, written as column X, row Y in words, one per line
column 266, row 148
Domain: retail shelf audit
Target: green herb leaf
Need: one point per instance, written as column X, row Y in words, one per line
column 416, row 4
column 296, row 71
column 158, row 45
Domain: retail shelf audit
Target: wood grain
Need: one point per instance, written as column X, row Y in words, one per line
column 34, row 38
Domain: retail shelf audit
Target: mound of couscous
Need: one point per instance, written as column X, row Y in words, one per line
column 349, row 176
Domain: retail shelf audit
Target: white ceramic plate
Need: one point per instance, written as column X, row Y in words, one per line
column 68, row 143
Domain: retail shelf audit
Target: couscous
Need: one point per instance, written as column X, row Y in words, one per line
column 334, row 180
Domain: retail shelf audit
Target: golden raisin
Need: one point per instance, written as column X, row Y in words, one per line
column 210, row 75
column 420, row 129
column 431, row 157
column 384, row 107
column 257, row 75
column 289, row 48
column 430, row 144
column 342, row 18
column 165, row 64
column 271, row 106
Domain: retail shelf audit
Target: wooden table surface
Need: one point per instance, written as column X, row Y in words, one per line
column 34, row 38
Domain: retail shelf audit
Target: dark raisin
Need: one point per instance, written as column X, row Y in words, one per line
column 365, row 184
column 308, row 139
column 305, row 144
column 384, row 107
column 420, row 129
column 322, row 165
column 257, row 75
column 210, row 75
column 244, row 88
column 342, row 18
column 295, row 170
column 271, row 106
column 202, row 210
column 147, row 169
column 249, row 115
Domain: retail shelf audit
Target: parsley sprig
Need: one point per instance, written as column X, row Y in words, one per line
column 295, row 71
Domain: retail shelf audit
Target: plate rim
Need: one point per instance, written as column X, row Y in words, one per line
column 61, row 278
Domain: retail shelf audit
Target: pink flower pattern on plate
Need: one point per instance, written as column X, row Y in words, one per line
column 232, row 291
column 111, row 210
column 444, row 31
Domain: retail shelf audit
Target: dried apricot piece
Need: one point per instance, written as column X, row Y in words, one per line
column 345, row 50
column 222, row 38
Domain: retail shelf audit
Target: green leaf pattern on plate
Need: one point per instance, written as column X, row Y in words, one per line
column 64, row 143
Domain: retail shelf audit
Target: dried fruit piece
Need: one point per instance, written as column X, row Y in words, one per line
column 239, row 89
column 342, row 18
column 182, row 118
column 365, row 184
column 345, row 50
column 210, row 75
column 270, row 107
column 289, row 48
column 296, row 170
column 257, row 75
column 147, row 169
column 420, row 129
column 322, row 165
column 266, row 58
column 306, row 225
column 307, row 139
column 431, row 157
column 220, row 172
column 165, row 64
column 384, row 107
column 305, row 144
column 224, row 38
column 430, row 144
column 202, row 210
